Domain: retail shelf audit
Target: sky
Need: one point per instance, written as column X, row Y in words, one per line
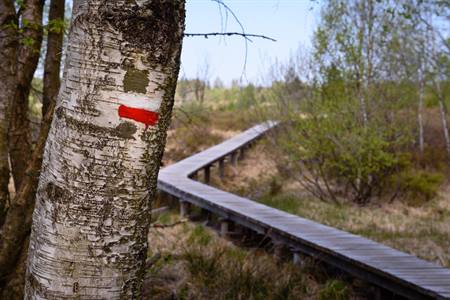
column 290, row 22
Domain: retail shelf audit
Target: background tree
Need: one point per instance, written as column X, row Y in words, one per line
column 52, row 66
column 31, row 30
column 8, row 44
column 352, row 132
column 200, row 83
column 24, row 33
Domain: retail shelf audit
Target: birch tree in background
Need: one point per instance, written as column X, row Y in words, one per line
column 437, row 78
column 89, row 233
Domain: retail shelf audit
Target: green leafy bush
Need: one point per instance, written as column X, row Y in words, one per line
column 419, row 186
column 335, row 156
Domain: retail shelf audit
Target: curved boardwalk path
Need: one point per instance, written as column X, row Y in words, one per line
column 401, row 273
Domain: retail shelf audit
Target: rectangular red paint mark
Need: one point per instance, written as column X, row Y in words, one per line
column 149, row 118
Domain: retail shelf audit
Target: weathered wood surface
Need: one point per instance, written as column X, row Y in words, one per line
column 394, row 270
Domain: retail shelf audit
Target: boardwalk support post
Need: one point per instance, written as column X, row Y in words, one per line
column 224, row 227
column 207, row 174
column 242, row 153
column 185, row 208
column 222, row 168
column 206, row 215
column 234, row 158
column 296, row 258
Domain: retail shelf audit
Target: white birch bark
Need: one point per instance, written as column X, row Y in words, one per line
column 437, row 83
column 443, row 114
column 99, row 171
column 420, row 114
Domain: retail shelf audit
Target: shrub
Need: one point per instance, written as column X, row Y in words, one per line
column 419, row 186
column 334, row 156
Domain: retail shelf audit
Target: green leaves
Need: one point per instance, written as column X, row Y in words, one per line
column 27, row 41
column 57, row 26
column 334, row 154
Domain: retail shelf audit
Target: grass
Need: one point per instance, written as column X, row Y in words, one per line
column 421, row 230
column 194, row 263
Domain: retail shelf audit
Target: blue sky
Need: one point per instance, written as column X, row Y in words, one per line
column 290, row 22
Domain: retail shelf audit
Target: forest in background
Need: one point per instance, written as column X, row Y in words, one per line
column 364, row 113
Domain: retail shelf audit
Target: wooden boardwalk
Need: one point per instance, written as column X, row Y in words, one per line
column 399, row 272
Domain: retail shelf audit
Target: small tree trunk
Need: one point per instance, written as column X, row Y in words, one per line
column 420, row 117
column 8, row 57
column 90, row 224
column 20, row 146
column 53, row 56
column 16, row 227
column 443, row 113
column 14, row 279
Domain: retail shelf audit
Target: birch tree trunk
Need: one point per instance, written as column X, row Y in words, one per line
column 89, row 233
column 437, row 77
column 420, row 114
column 443, row 113
column 8, row 54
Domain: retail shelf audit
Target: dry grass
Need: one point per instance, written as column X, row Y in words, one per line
column 185, row 141
column 194, row 263
column 196, row 128
column 420, row 230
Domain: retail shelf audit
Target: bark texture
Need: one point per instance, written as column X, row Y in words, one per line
column 14, row 286
column 16, row 228
column 53, row 56
column 20, row 147
column 8, row 55
column 89, row 233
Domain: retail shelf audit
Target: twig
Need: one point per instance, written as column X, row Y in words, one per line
column 229, row 10
column 244, row 35
column 168, row 225
column 157, row 211
column 152, row 260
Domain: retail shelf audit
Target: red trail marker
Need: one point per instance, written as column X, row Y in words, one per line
column 147, row 117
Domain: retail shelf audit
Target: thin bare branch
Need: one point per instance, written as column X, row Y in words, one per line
column 247, row 36
column 228, row 9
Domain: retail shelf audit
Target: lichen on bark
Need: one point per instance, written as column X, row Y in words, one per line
column 135, row 81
